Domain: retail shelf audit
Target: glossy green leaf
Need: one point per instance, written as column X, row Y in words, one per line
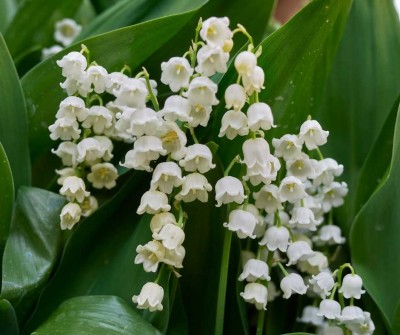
column 101, row 315
column 362, row 87
column 7, row 11
column 13, row 119
column 374, row 238
column 102, row 5
column 32, row 247
column 8, row 319
column 295, row 68
column 6, row 198
column 130, row 46
column 127, row 12
column 33, row 24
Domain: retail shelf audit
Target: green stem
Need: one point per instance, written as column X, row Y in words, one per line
column 321, row 157
column 223, row 277
column 283, row 269
column 126, row 69
column 231, row 164
column 260, row 323
column 153, row 98
column 195, row 140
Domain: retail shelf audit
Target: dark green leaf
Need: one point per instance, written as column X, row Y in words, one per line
column 102, row 5
column 7, row 11
column 13, row 119
column 101, row 315
column 32, row 247
column 127, row 12
column 6, row 198
column 130, row 46
column 8, row 319
column 362, row 87
column 33, row 24
column 374, row 238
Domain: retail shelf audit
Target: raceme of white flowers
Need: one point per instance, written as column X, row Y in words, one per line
column 281, row 202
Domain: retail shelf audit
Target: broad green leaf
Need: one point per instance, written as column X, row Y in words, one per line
column 378, row 160
column 33, row 24
column 101, row 315
column 102, row 5
column 362, row 87
column 295, row 68
column 108, row 239
column 127, row 12
column 7, row 11
column 32, row 247
column 8, row 319
column 13, row 119
column 374, row 238
column 130, row 46
column 297, row 334
column 6, row 198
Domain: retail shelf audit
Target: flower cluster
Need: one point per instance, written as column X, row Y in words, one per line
column 66, row 30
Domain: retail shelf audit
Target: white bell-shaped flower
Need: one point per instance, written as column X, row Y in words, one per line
column 64, row 173
column 276, row 238
column 66, row 30
column 114, row 81
column 326, row 170
column 90, row 151
column 194, row 187
column 245, row 63
column 242, row 222
column 70, row 215
column 74, row 188
column 352, row 286
column 303, row 218
column 329, row 309
column 229, row 189
column 176, row 73
column 261, row 225
column 255, row 81
column 255, row 269
column 99, row 119
column 314, row 264
column 72, row 108
column 210, row 60
column 302, row 167
column 312, row 135
column 333, row 195
column 235, row 97
column 260, row 116
column 215, row 31
column 288, row 147
column 160, row 220
column 352, row 315
column 202, row 91
column 234, row 123
column 106, row 145
column 89, row 205
column 291, row 189
column 293, row 283
column 310, row 316
column 176, row 108
column 170, row 235
column 200, row 115
column 329, row 235
column 153, row 202
column 268, row 199
column 322, row 283
column 137, row 122
column 81, row 85
column 298, row 250
column 367, row 327
column 73, row 65
column 97, row 76
column 68, row 153
column 198, row 157
column 174, row 257
column 131, row 93
column 166, row 176
column 173, row 139
column 65, row 129
column 51, row 51
column 150, row 255
column 150, row 297
column 145, row 150
column 103, row 175
column 257, row 294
